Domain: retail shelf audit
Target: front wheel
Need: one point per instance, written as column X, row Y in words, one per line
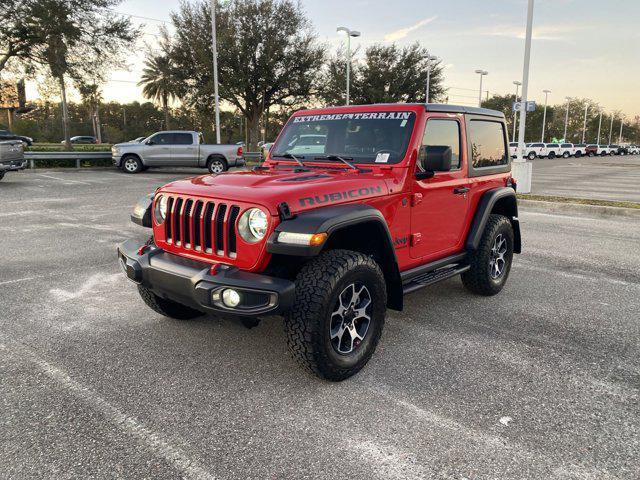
column 338, row 315
column 552, row 155
column 131, row 164
column 490, row 264
column 531, row 156
column 566, row 155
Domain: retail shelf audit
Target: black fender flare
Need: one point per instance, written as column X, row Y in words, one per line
column 333, row 219
column 141, row 214
column 504, row 201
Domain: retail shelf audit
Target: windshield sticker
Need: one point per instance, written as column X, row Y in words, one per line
column 382, row 157
column 355, row 116
column 403, row 124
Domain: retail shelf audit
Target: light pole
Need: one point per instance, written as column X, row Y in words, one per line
column 584, row 124
column 544, row 115
column 482, row 73
column 521, row 169
column 350, row 33
column 515, row 114
column 566, row 119
column 613, row 115
column 214, row 44
column 621, row 124
column 429, row 59
column 599, row 126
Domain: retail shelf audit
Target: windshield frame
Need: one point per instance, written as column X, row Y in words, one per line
column 411, row 116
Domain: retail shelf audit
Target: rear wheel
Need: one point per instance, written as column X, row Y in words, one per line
column 578, row 154
column 552, row 154
column 566, row 155
column 217, row 165
column 166, row 307
column 131, row 164
column 532, row 156
column 491, row 262
column 338, row 315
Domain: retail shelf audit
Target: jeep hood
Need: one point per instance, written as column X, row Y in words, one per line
column 300, row 190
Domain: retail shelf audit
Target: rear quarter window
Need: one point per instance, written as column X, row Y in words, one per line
column 487, row 144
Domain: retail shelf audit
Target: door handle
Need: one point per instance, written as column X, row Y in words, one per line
column 460, row 191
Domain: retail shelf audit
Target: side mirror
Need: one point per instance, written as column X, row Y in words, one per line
column 433, row 158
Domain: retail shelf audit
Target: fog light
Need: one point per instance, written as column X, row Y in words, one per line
column 230, row 298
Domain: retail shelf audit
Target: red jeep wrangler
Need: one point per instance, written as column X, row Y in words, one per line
column 355, row 207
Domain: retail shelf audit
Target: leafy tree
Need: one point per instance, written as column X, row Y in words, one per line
column 267, row 56
column 68, row 38
column 387, row 73
column 159, row 77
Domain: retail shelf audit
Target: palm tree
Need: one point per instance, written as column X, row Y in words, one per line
column 158, row 82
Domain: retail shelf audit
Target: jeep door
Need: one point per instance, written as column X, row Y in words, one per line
column 439, row 205
column 184, row 150
column 157, row 151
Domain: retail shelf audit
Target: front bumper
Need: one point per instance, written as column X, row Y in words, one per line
column 13, row 166
column 192, row 283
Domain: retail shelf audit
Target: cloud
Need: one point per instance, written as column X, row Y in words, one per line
column 403, row 32
column 545, row 32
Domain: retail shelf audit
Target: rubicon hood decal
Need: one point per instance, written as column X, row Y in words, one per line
column 340, row 196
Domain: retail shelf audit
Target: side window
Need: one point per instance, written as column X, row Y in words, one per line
column 487, row 144
column 444, row 133
column 182, row 139
column 162, row 139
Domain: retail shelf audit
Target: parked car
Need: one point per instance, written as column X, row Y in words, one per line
column 513, row 149
column 535, row 150
column 176, row 149
column 7, row 135
column 633, row 149
column 617, row 150
column 603, row 150
column 580, row 149
column 82, row 140
column 333, row 239
column 11, row 157
column 553, row 150
column 567, row 150
column 592, row 150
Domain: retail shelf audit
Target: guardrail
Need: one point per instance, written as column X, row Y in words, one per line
column 77, row 156
column 32, row 157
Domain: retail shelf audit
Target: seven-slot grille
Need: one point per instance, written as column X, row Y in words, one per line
column 202, row 226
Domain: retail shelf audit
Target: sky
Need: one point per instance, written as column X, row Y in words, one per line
column 581, row 48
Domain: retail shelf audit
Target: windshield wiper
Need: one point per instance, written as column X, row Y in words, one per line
column 290, row 156
column 344, row 160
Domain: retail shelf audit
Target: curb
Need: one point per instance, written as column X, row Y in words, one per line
column 577, row 209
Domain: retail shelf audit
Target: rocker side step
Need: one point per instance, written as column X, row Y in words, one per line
column 436, row 276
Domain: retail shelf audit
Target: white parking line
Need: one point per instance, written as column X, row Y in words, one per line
column 154, row 441
column 63, row 179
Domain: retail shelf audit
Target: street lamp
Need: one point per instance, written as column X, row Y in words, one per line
column 584, row 125
column 599, row 125
column 515, row 114
column 566, row 119
column 430, row 58
column 350, row 33
column 214, row 45
column 482, row 73
column 613, row 115
column 544, row 115
column 621, row 124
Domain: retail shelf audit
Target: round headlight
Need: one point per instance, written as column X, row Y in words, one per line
column 160, row 212
column 253, row 225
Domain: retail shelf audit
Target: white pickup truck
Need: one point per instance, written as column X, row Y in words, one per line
column 176, row 149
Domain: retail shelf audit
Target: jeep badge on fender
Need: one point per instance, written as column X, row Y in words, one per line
column 354, row 208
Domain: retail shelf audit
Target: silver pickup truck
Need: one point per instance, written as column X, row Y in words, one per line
column 11, row 157
column 175, row 149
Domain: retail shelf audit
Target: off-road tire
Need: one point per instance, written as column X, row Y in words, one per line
column 131, row 160
column 217, row 165
column 478, row 278
column 168, row 308
column 307, row 324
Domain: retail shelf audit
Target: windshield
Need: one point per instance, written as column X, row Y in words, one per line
column 374, row 137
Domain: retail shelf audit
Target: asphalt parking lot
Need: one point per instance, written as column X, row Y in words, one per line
column 615, row 178
column 542, row 381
